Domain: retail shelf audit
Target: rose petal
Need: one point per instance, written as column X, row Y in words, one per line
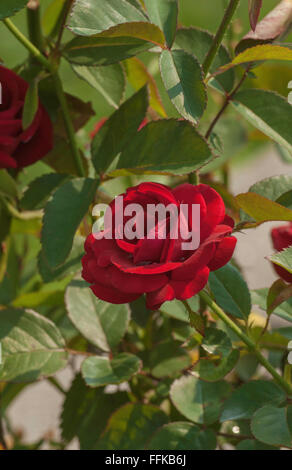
column 215, row 210
column 155, row 299
column 184, row 290
column 111, row 295
column 38, row 146
column 136, row 283
column 6, row 161
column 223, row 253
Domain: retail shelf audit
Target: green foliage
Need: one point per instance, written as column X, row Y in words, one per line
column 164, row 13
column 197, row 400
column 272, row 425
column 251, row 396
column 193, row 373
column 89, row 18
column 183, row 436
column 158, row 147
column 109, row 81
column 283, row 259
column 32, row 346
column 100, row 371
column 230, row 291
column 183, row 80
column 66, row 209
column 91, row 316
column 124, row 124
column 135, row 420
column 10, row 7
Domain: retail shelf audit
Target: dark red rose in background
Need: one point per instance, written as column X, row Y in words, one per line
column 282, row 238
column 101, row 122
column 119, row 271
column 18, row 147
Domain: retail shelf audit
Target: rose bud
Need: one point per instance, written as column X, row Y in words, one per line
column 282, row 238
column 19, row 147
column 122, row 268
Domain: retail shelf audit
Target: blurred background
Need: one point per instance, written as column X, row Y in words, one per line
column 250, row 158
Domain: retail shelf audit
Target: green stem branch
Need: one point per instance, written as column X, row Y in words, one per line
column 233, row 4
column 226, row 103
column 249, row 343
column 34, row 26
column 50, row 67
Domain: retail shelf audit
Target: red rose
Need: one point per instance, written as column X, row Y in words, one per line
column 120, row 270
column 18, row 147
column 282, row 238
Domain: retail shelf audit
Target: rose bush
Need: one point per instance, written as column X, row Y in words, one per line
column 21, row 147
column 282, row 238
column 193, row 357
column 120, row 270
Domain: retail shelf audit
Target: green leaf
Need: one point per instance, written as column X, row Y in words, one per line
column 183, row 436
column 168, row 358
column 92, row 17
column 279, row 292
column 269, row 425
column 259, row 297
column 5, row 223
column 252, row 444
column 164, row 147
column 63, row 215
column 271, row 27
column 109, row 81
column 183, row 79
column 164, row 13
column 138, row 76
column 216, row 343
column 123, row 124
column 197, row 400
column 258, row 54
column 31, row 104
column 101, row 323
column 145, row 31
column 198, row 42
column 10, row 7
column 32, row 346
column 175, row 309
column 262, row 109
column 86, row 412
column 272, row 188
column 103, row 50
column 262, row 209
column 8, row 186
column 70, row 267
column 131, row 427
column 40, row 190
column 283, row 258
column 100, row 371
column 250, row 397
column 230, row 291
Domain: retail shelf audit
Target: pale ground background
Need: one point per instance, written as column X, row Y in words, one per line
column 36, row 411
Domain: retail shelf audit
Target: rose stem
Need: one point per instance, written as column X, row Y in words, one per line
column 250, row 344
column 59, row 90
column 220, row 35
column 194, row 177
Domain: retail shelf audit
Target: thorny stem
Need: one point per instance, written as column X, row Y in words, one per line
column 220, row 35
column 50, row 67
column 249, row 343
column 227, row 101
